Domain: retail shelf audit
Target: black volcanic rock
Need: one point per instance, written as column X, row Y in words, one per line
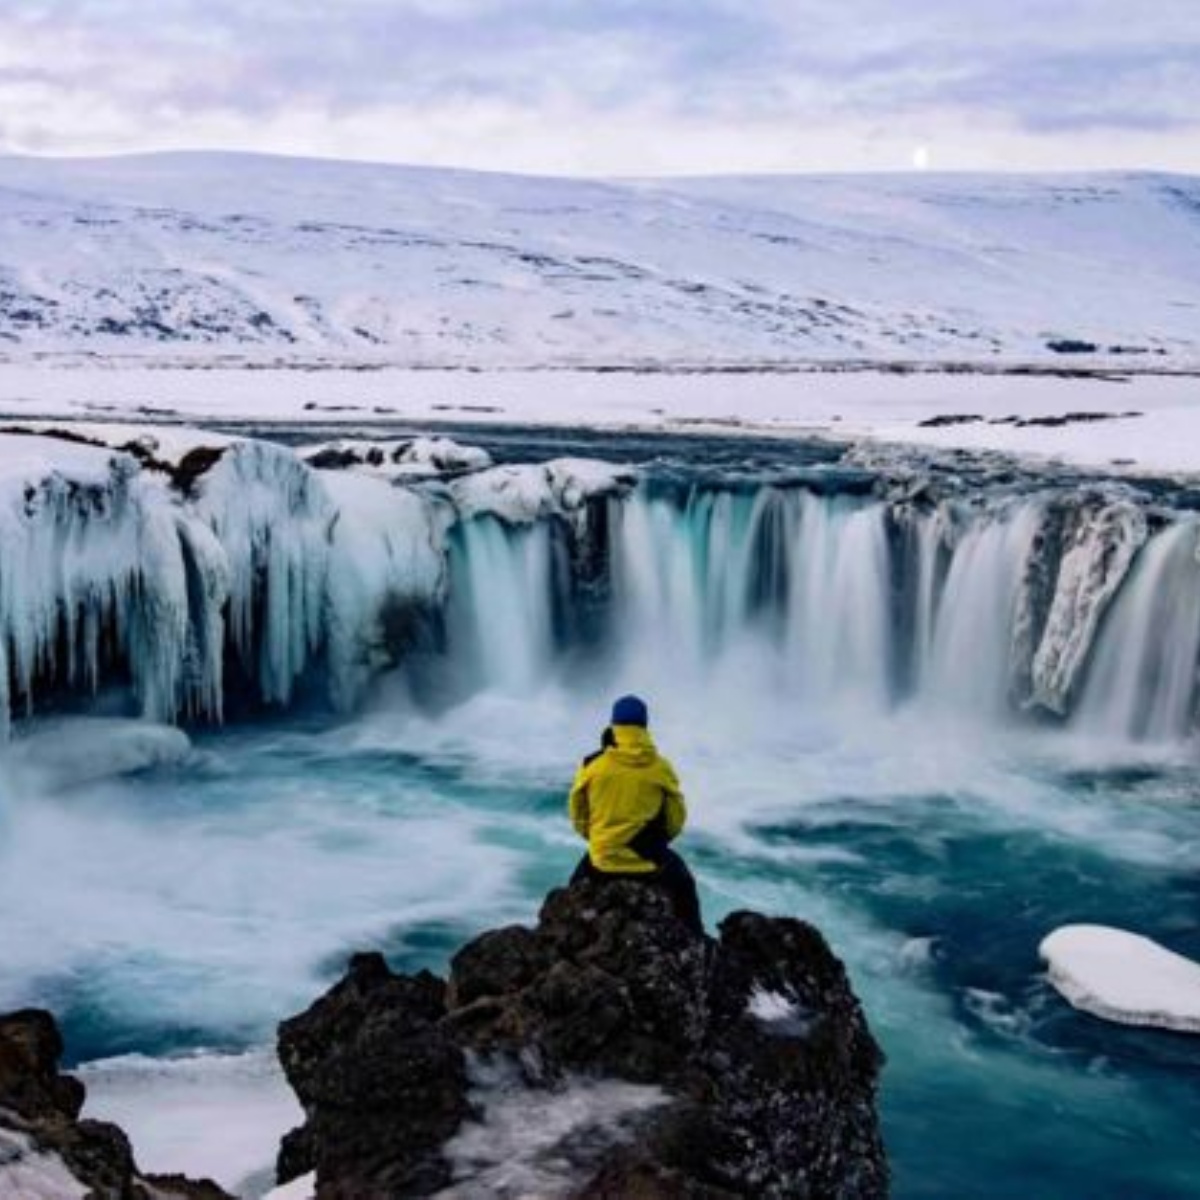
column 749, row 1061
column 39, row 1116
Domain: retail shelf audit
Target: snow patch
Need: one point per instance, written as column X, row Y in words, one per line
column 304, row 1188
column 206, row 1115
column 28, row 1174
column 521, row 495
column 780, row 1014
column 1124, row 977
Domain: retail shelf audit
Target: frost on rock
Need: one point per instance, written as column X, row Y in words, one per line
column 1124, row 977
column 540, row 1142
column 67, row 751
column 1100, row 542
column 779, row 1015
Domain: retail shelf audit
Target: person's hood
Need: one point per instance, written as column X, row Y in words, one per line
column 635, row 747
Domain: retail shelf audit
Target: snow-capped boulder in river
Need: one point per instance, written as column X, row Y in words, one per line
column 606, row 1052
column 1124, row 977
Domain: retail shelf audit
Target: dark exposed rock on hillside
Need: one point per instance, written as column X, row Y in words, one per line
column 43, row 1138
column 605, row 1053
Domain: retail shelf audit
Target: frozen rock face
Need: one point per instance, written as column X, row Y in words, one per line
column 158, row 567
column 239, row 573
column 96, row 572
column 171, row 559
column 1099, row 541
column 654, row 1048
column 45, row 1149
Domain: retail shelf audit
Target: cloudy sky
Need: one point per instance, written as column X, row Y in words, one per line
column 613, row 86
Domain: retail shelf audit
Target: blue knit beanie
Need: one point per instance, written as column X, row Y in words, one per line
column 630, row 710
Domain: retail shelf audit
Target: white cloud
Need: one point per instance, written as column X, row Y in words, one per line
column 619, row 87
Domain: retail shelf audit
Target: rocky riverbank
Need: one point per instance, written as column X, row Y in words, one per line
column 604, row 1053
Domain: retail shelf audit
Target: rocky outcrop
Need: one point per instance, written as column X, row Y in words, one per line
column 45, row 1148
column 608, row 1052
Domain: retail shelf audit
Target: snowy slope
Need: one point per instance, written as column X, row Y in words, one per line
column 274, row 259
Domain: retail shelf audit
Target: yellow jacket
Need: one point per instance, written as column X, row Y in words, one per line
column 618, row 792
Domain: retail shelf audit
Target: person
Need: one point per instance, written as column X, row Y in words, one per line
column 627, row 803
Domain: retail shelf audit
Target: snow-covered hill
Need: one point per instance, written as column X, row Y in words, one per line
column 267, row 259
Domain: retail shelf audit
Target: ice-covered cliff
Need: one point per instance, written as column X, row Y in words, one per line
column 178, row 559
column 201, row 570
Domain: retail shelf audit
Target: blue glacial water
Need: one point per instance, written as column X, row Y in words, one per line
column 835, row 688
column 196, row 906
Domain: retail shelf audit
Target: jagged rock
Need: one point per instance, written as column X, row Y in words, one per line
column 740, row 1066
column 41, row 1133
column 382, row 1081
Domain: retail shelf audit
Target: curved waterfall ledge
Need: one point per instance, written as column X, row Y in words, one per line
column 194, row 567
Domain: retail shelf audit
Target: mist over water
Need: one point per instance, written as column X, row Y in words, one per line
column 843, row 696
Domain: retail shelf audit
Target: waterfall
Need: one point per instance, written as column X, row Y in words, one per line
column 1143, row 682
column 501, row 601
column 848, row 604
column 1067, row 602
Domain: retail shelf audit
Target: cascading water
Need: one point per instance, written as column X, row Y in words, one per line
column 1143, row 680
column 847, row 602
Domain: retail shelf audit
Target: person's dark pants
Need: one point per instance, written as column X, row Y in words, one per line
column 671, row 874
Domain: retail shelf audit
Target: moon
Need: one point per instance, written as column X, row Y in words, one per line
column 920, row 158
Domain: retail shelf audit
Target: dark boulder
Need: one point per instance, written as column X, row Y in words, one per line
column 39, row 1119
column 616, row 1052
column 382, row 1081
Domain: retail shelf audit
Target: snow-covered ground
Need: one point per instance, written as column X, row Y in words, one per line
column 218, row 1116
column 1164, row 435
column 284, row 259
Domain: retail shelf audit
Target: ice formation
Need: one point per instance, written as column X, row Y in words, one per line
column 539, row 1142
column 204, row 570
column 1124, row 977
column 116, row 568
